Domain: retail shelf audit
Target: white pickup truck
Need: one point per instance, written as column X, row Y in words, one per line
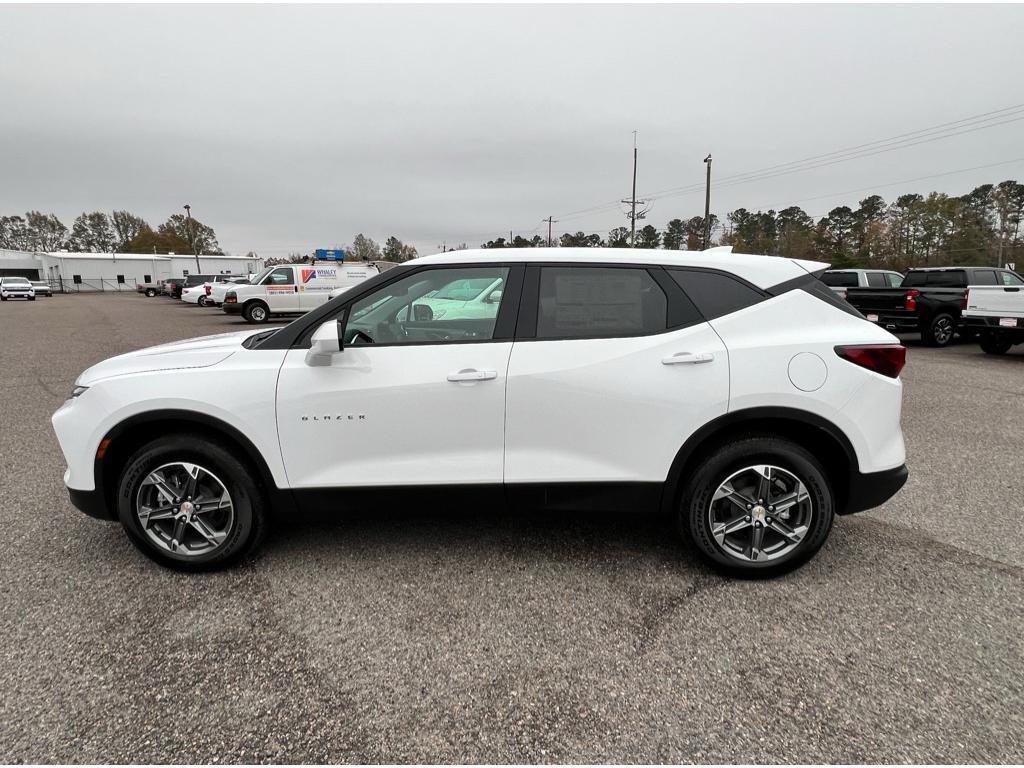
column 996, row 314
column 291, row 289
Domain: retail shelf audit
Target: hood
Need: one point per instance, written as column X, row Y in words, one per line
column 190, row 353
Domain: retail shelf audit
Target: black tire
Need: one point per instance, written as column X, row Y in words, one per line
column 994, row 344
column 3, row 298
column 940, row 331
column 201, row 301
column 249, row 520
column 150, row 292
column 256, row 312
column 696, row 500
column 31, row 298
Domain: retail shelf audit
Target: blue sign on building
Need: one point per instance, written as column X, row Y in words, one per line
column 329, row 254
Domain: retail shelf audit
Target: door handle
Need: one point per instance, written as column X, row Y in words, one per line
column 688, row 357
column 472, row 374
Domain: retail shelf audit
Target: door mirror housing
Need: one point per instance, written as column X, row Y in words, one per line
column 495, row 297
column 325, row 343
column 422, row 313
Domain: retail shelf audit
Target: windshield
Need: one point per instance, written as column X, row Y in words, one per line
column 16, row 281
column 259, row 276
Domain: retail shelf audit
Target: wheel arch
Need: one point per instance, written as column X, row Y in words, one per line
column 135, row 431
column 817, row 434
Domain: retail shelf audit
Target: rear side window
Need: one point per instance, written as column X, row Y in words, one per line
column 1009, row 278
column 715, row 293
column 984, row 277
column 876, row 280
column 840, row 279
column 894, row 280
column 591, row 302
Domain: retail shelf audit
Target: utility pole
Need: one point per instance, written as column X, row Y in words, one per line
column 633, row 215
column 550, row 220
column 191, row 238
column 707, row 205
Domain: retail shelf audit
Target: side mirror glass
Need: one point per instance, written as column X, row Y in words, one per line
column 494, row 298
column 326, row 343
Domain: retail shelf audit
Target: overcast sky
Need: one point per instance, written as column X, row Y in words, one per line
column 289, row 128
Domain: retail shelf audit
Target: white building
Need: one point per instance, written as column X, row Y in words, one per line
column 117, row 271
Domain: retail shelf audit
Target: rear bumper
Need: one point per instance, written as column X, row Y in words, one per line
column 232, row 309
column 91, row 503
column 872, row 489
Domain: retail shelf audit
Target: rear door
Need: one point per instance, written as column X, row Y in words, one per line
column 612, row 369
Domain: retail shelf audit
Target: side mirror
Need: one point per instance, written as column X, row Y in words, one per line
column 326, row 343
column 422, row 313
column 495, row 297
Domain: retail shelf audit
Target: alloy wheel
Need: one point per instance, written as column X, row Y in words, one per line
column 760, row 513
column 943, row 331
column 184, row 509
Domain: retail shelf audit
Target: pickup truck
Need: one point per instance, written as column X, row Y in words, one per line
column 996, row 314
column 930, row 300
column 841, row 280
column 150, row 289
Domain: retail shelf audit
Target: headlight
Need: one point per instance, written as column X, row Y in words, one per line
column 78, row 390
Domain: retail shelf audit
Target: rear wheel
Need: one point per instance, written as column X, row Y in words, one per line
column 189, row 504
column 757, row 507
column 202, row 301
column 994, row 344
column 256, row 312
column 150, row 292
column 939, row 331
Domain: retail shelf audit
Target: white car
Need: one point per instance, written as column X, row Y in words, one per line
column 841, row 279
column 16, row 288
column 196, row 294
column 734, row 391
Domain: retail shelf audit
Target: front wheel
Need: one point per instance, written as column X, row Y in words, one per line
column 150, row 292
column 256, row 312
column 757, row 507
column 939, row 331
column 189, row 504
column 994, row 344
column 31, row 298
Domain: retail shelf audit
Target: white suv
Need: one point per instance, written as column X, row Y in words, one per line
column 735, row 391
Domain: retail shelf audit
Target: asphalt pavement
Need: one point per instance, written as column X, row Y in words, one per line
column 511, row 637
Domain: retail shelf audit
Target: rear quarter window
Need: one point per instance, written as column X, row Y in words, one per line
column 715, row 293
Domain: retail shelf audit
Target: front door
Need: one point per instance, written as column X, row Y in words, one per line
column 282, row 290
column 414, row 398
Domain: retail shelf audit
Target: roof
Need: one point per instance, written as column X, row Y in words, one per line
column 762, row 271
column 145, row 256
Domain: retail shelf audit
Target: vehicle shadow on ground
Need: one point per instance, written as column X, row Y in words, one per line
column 526, row 531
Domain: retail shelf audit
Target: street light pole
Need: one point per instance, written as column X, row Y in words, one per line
column 707, row 205
column 191, row 238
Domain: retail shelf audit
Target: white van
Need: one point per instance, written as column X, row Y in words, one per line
column 291, row 289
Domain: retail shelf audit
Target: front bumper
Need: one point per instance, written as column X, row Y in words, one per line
column 91, row 503
column 872, row 489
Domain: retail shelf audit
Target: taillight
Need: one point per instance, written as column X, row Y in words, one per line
column 207, row 290
column 846, row 294
column 231, row 298
column 886, row 359
column 963, row 301
column 910, row 299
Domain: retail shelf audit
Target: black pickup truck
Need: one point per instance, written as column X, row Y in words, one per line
column 929, row 301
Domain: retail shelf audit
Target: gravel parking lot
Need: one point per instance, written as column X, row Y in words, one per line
column 511, row 637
